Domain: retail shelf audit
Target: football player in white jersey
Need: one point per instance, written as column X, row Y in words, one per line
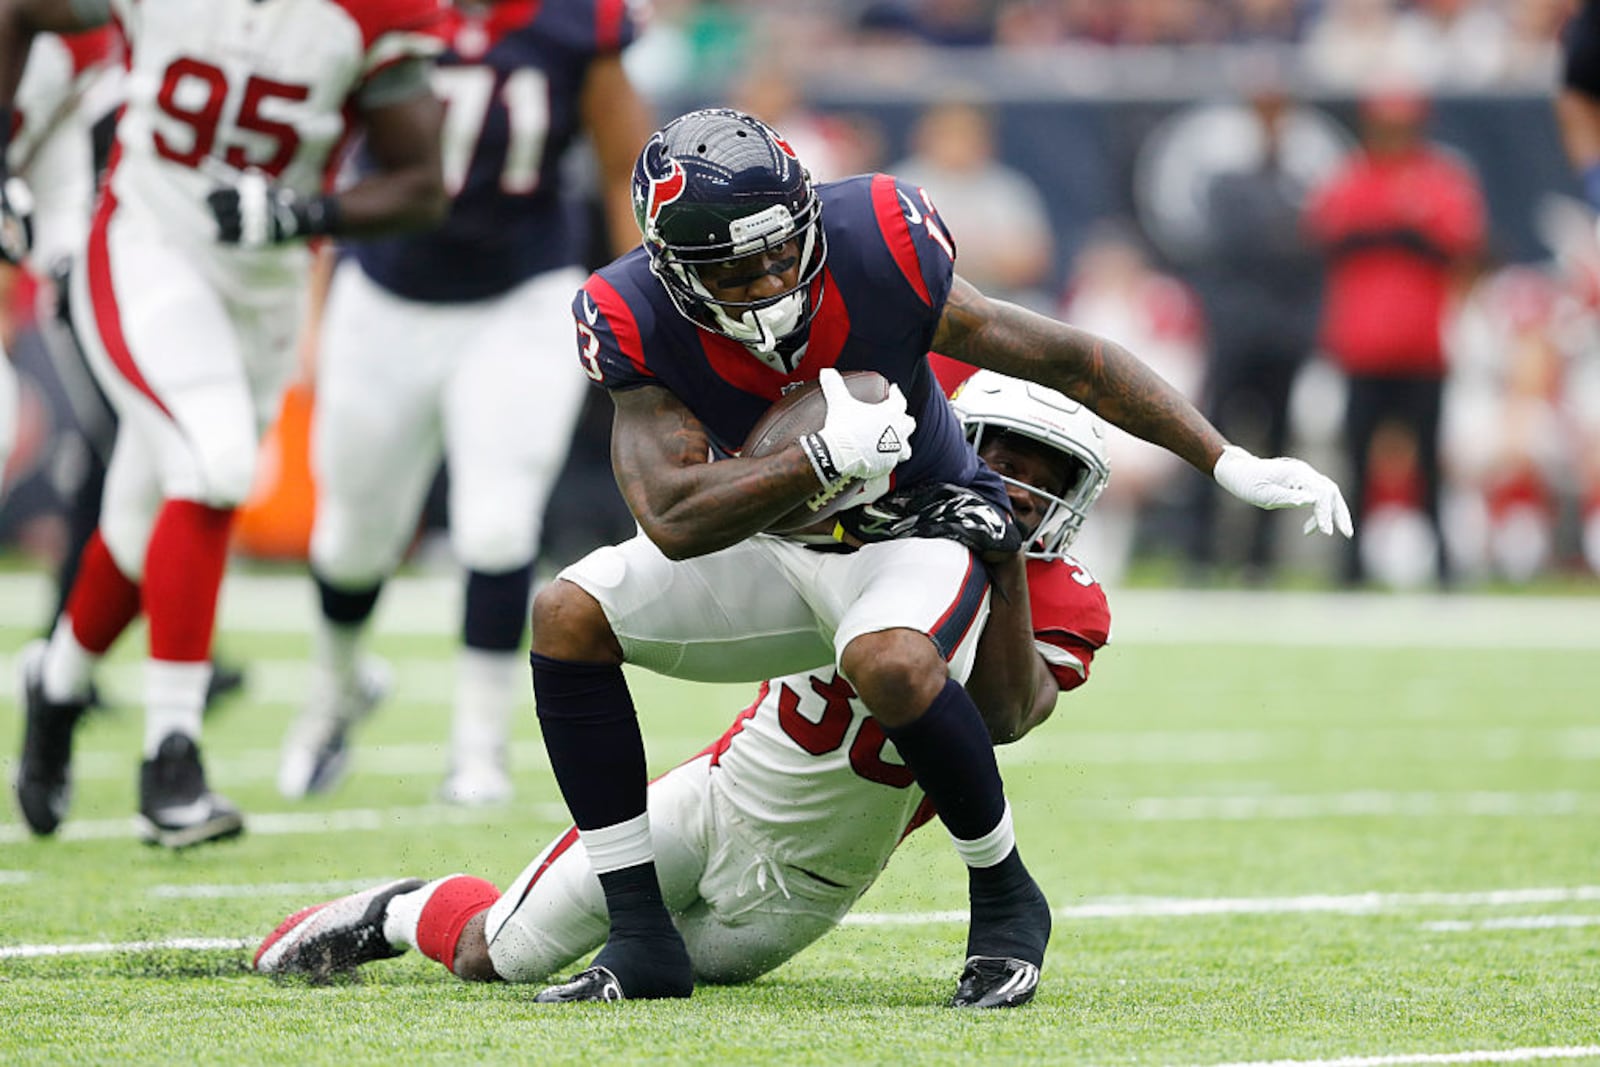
column 188, row 304
column 769, row 836
column 48, row 177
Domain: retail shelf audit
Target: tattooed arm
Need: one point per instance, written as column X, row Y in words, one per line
column 686, row 504
column 1100, row 373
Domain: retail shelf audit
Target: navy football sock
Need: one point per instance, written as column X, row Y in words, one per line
column 346, row 607
column 644, row 951
column 497, row 609
column 1010, row 916
column 592, row 735
column 949, row 751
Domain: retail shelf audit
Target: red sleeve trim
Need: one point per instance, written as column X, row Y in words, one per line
column 897, row 233
column 608, row 25
column 619, row 316
column 378, row 17
column 89, row 48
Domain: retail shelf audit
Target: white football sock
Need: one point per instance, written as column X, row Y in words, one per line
column 336, row 651
column 405, row 911
column 174, row 700
column 487, row 689
column 68, row 667
column 620, row 845
column 992, row 847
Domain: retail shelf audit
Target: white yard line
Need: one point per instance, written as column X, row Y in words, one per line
column 430, row 604
column 400, row 820
column 179, row 944
column 1360, row 804
column 1513, row 922
column 309, row 890
column 1508, row 1055
column 1182, row 907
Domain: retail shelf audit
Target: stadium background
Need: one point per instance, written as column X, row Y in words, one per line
column 1099, row 106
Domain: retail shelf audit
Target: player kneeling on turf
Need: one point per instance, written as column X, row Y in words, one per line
column 767, row 838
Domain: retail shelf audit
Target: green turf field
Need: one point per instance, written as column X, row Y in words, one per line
column 1311, row 840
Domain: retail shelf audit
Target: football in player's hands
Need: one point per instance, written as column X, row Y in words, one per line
column 801, row 411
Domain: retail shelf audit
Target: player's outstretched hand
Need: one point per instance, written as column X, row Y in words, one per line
column 951, row 512
column 1284, row 483
column 252, row 212
column 858, row 439
column 16, row 218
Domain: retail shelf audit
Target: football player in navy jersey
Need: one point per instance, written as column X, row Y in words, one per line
column 752, row 280
column 770, row 835
column 448, row 341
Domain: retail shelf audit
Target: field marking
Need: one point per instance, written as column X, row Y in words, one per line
column 318, row 890
column 1109, row 908
column 1184, row 907
column 1356, row 804
column 1508, row 1055
column 430, row 605
column 15, row 877
column 403, row 820
column 178, row 944
column 1513, row 922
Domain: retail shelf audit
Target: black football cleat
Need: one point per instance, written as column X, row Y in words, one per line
column 176, row 809
column 333, row 938
column 995, row 982
column 596, row 983
column 44, row 771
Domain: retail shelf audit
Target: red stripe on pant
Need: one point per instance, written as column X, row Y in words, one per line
column 103, row 600
column 182, row 578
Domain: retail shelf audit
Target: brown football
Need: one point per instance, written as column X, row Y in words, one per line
column 800, row 411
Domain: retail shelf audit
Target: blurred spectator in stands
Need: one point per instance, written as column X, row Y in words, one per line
column 942, row 23
column 1260, row 283
column 1453, row 42
column 1115, row 292
column 1265, row 21
column 1168, row 22
column 1352, row 42
column 995, row 213
column 1504, row 440
column 1399, row 223
column 1043, row 22
column 833, row 146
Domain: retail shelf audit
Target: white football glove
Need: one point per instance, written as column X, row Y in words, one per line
column 858, row 439
column 16, row 218
column 1284, row 483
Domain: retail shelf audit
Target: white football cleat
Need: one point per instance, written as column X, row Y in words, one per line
column 333, row 938
column 315, row 753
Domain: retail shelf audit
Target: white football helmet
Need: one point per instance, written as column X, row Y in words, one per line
column 991, row 404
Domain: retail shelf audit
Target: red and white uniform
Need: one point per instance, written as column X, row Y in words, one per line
column 50, row 148
column 764, row 841
column 193, row 340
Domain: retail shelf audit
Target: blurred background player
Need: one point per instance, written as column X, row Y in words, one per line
column 1401, row 225
column 1578, row 98
column 456, row 339
column 187, row 307
column 769, row 836
column 46, row 183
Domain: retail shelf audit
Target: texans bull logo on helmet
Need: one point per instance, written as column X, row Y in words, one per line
column 667, row 181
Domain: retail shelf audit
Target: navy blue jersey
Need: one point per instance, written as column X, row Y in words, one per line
column 889, row 270
column 511, row 84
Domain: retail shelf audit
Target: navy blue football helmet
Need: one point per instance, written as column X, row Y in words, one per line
column 717, row 184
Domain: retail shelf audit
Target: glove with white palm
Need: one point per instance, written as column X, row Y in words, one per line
column 858, row 439
column 252, row 212
column 1284, row 483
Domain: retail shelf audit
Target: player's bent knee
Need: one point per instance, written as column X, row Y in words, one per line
column 897, row 672
column 226, row 475
column 493, row 550
column 569, row 624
